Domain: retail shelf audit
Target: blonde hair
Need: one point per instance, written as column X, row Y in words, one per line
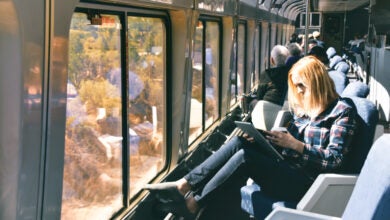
column 315, row 77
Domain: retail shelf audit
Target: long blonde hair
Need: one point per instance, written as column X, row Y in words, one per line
column 315, row 77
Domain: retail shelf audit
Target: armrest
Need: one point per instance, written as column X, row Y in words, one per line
column 282, row 213
column 329, row 194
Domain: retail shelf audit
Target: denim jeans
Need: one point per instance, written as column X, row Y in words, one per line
column 229, row 167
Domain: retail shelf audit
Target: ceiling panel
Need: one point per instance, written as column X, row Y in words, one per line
column 340, row 5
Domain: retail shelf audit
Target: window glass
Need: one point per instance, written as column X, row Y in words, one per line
column 273, row 35
column 205, row 78
column 264, row 46
column 92, row 181
column 212, row 72
column 257, row 46
column 146, row 97
column 241, row 59
column 196, row 119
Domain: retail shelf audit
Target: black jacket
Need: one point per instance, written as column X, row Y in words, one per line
column 273, row 85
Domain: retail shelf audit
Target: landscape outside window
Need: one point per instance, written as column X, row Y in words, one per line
column 92, row 181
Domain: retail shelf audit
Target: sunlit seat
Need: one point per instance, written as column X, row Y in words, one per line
column 370, row 198
column 340, row 80
column 342, row 66
column 356, row 89
column 264, row 114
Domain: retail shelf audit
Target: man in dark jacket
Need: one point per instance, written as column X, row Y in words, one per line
column 273, row 81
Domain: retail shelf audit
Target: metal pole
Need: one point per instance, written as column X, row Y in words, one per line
column 307, row 25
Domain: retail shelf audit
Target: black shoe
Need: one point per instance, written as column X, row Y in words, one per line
column 179, row 209
column 166, row 192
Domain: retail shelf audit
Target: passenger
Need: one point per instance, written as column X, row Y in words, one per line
column 320, row 54
column 317, row 36
column 301, row 41
column 273, row 81
column 295, row 54
column 293, row 38
column 311, row 43
column 318, row 140
column 339, row 78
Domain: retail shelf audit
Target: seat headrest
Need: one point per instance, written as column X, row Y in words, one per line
column 356, row 89
column 331, row 52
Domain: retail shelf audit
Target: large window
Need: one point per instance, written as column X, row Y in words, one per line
column 115, row 111
column 257, row 49
column 205, row 78
column 146, row 96
column 265, row 41
column 314, row 19
column 238, row 76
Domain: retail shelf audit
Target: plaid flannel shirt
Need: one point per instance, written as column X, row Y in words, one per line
column 327, row 138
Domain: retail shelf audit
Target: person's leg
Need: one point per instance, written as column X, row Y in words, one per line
column 278, row 178
column 201, row 174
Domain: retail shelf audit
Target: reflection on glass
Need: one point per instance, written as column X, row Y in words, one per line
column 146, row 108
column 92, row 182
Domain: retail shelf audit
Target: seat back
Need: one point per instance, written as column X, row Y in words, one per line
column 370, row 198
column 356, row 88
column 340, row 80
column 264, row 114
column 342, row 66
column 364, row 136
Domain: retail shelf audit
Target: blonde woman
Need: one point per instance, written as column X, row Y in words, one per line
column 317, row 141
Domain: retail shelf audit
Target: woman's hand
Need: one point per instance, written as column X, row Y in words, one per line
column 248, row 138
column 285, row 139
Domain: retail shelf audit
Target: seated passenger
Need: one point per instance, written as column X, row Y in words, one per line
column 317, row 141
column 320, row 54
column 273, row 81
column 295, row 54
column 311, row 43
column 317, row 36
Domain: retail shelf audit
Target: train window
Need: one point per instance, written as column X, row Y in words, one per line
column 238, row 77
column 205, row 78
column 97, row 81
column 241, row 43
column 92, row 181
column 314, row 19
column 264, row 46
column 146, row 109
column 257, row 48
column 274, row 34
